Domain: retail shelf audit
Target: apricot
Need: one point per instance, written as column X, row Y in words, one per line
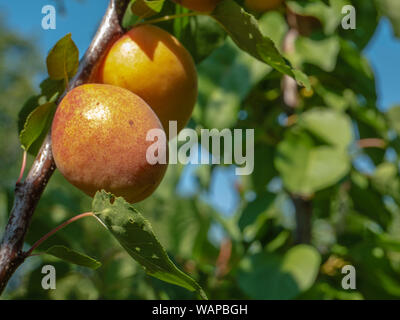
column 263, row 5
column 99, row 142
column 198, row 5
column 152, row 63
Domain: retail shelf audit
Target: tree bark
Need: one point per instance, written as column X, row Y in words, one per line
column 303, row 220
column 28, row 192
column 303, row 207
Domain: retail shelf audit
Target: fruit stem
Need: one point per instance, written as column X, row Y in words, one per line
column 21, row 173
column 48, row 235
column 167, row 18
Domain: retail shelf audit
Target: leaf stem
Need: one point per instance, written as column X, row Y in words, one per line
column 167, row 18
column 48, row 235
column 21, row 173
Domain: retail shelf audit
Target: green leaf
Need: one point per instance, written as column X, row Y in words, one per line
column 225, row 79
column 306, row 168
column 270, row 276
column 63, row 59
column 136, row 236
column 52, row 89
column 393, row 117
column 200, row 35
column 330, row 14
column 243, row 28
column 386, row 180
column 367, row 201
column 74, row 257
column 322, row 53
column 273, row 25
column 255, row 208
column 335, row 98
column 140, row 9
column 333, row 127
column 38, row 122
column 391, row 9
column 31, row 104
column 155, row 5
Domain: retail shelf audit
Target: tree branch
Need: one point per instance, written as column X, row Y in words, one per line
column 303, row 209
column 28, row 193
column 303, row 206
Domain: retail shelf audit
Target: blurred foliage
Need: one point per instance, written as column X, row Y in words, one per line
column 308, row 155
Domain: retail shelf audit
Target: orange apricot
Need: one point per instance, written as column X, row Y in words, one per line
column 152, row 63
column 99, row 142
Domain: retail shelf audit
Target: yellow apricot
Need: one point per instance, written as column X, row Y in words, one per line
column 263, row 5
column 152, row 63
column 198, row 5
column 99, row 142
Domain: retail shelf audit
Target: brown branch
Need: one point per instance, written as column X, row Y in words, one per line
column 303, row 219
column 371, row 143
column 289, row 85
column 28, row 193
column 303, row 206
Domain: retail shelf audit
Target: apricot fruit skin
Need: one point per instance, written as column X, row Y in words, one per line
column 199, row 5
column 152, row 63
column 99, row 142
column 263, row 5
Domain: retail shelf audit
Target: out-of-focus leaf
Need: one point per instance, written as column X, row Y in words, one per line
column 391, row 9
column 330, row 14
column 393, row 117
column 264, row 169
column 273, row 25
column 255, row 208
column 200, row 35
column 386, row 180
column 225, row 79
column 322, row 53
column 368, row 201
column 355, row 70
column 73, row 256
column 336, row 99
column 305, row 168
column 270, row 276
column 331, row 126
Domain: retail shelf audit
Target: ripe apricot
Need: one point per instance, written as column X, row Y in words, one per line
column 198, row 5
column 152, row 63
column 99, row 141
column 263, row 5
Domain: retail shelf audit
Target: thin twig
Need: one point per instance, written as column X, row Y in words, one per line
column 371, row 143
column 23, row 165
column 61, row 226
